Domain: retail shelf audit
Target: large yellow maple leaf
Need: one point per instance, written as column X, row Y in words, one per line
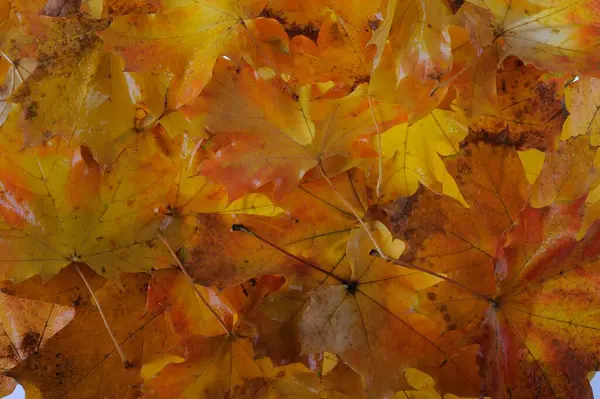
column 58, row 206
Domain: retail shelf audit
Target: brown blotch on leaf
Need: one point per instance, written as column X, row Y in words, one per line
column 31, row 111
column 455, row 5
column 309, row 31
column 30, row 342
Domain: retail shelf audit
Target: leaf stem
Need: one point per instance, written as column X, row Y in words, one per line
column 191, row 282
column 126, row 363
column 431, row 273
column 354, row 212
column 244, row 229
column 380, row 160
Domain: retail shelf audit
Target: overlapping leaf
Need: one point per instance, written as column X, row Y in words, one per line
column 141, row 135
column 505, row 258
column 271, row 134
column 411, row 155
column 59, row 206
column 185, row 41
column 419, row 36
column 26, row 327
column 314, row 226
column 531, row 110
column 556, row 37
column 81, row 360
column 365, row 314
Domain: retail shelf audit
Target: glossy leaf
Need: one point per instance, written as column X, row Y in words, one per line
column 288, row 133
column 146, row 41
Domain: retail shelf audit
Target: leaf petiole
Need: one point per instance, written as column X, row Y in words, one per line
column 126, row 363
column 244, row 229
column 354, row 212
column 431, row 273
column 191, row 282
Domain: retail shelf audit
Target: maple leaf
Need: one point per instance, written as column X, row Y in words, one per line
column 386, row 86
column 567, row 27
column 59, row 206
column 564, row 176
column 50, row 99
column 582, row 101
column 78, row 91
column 559, row 38
column 185, row 41
column 282, row 135
column 531, row 113
column 341, row 52
column 419, row 38
column 216, row 352
column 81, row 360
column 314, row 227
column 27, row 325
column 411, row 155
column 375, row 331
column 278, row 317
column 495, row 293
column 257, row 147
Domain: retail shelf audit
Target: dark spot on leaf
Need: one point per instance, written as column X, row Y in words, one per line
column 309, row 31
column 431, row 296
column 31, row 111
column 30, row 342
column 455, row 5
column 360, row 80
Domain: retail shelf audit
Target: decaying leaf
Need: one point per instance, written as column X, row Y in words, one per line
column 365, row 314
column 27, row 325
column 81, row 360
column 316, row 199
column 505, row 257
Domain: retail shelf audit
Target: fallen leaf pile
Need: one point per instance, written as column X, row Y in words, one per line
column 299, row 198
